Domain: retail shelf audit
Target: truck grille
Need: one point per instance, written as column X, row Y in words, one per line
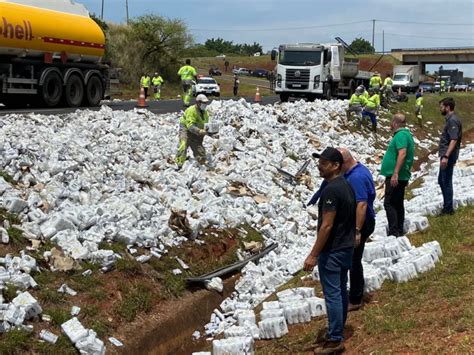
column 297, row 78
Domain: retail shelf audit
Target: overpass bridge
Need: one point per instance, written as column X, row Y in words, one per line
column 423, row 56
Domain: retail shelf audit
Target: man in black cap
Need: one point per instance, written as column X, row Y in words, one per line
column 334, row 246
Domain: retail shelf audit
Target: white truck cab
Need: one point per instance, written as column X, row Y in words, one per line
column 313, row 70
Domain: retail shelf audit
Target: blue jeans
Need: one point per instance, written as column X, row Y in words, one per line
column 372, row 116
column 333, row 267
column 445, row 181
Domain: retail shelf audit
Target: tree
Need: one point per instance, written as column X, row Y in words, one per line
column 222, row 46
column 361, row 45
column 163, row 40
column 149, row 44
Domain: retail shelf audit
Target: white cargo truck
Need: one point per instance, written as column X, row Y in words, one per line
column 406, row 77
column 313, row 71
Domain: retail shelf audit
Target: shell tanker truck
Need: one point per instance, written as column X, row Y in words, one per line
column 50, row 54
column 313, row 71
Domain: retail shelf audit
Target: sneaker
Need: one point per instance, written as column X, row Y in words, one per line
column 354, row 307
column 330, row 347
column 177, row 168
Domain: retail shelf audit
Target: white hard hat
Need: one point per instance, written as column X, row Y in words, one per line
column 202, row 98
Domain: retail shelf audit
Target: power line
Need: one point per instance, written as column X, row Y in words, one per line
column 429, row 23
column 278, row 29
column 429, row 37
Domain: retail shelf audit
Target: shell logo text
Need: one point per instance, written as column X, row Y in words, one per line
column 16, row 31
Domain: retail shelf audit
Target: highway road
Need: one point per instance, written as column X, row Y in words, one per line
column 162, row 106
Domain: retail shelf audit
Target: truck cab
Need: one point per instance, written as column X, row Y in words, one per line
column 313, row 71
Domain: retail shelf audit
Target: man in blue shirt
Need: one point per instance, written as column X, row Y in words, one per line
column 362, row 182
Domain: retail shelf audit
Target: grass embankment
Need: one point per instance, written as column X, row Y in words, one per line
column 109, row 302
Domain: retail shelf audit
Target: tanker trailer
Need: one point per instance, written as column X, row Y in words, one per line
column 50, row 54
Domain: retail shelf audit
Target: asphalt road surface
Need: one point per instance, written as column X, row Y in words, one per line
column 162, row 106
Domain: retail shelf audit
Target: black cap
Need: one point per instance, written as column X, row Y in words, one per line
column 331, row 154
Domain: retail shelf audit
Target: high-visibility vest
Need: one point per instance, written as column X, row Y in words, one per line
column 145, row 81
column 388, row 82
column 187, row 72
column 357, row 100
column 192, row 116
column 157, row 80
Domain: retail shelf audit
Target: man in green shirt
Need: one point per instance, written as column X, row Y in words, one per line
column 396, row 166
column 188, row 74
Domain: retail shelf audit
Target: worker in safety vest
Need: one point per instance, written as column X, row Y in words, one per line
column 188, row 75
column 442, row 87
column 145, row 82
column 419, row 108
column 370, row 109
column 157, row 81
column 192, row 131
column 356, row 103
column 375, row 82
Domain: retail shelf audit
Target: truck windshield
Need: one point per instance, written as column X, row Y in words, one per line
column 399, row 77
column 300, row 58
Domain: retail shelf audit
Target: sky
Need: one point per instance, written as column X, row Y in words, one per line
column 405, row 23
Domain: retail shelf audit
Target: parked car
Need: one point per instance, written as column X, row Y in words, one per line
column 437, row 86
column 220, row 56
column 214, row 70
column 461, row 87
column 428, row 86
column 241, row 71
column 471, row 87
column 207, row 86
column 261, row 73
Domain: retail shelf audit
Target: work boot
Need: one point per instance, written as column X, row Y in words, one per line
column 330, row 347
column 354, row 307
column 374, row 127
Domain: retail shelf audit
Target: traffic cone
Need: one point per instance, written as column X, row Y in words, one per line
column 257, row 98
column 141, row 103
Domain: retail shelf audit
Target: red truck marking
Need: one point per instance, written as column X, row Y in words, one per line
column 12, row 31
column 71, row 42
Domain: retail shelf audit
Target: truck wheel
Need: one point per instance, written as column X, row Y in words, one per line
column 74, row 91
column 284, row 97
column 52, row 89
column 94, row 91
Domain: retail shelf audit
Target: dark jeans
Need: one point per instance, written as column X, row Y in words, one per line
column 394, row 207
column 357, row 272
column 236, row 89
column 333, row 267
column 445, row 181
column 146, row 92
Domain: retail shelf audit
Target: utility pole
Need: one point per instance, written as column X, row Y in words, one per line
column 383, row 42
column 126, row 9
column 373, row 34
column 102, row 11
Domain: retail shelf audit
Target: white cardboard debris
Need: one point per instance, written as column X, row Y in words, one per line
column 105, row 176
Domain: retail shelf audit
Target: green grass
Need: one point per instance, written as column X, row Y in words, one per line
column 58, row 316
column 135, row 301
column 8, row 178
column 9, row 292
column 129, row 266
column 51, row 296
column 15, row 341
